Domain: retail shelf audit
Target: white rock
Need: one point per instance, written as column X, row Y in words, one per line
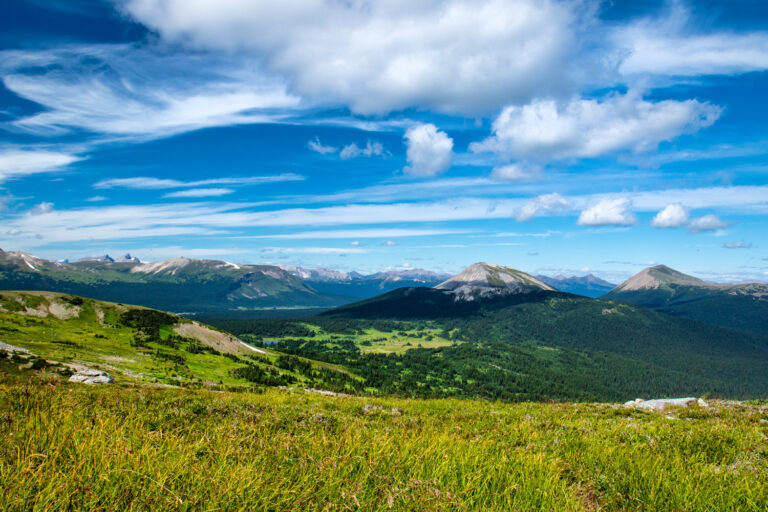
column 88, row 376
column 660, row 404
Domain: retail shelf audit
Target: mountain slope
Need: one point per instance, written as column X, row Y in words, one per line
column 183, row 285
column 143, row 345
column 741, row 306
column 588, row 285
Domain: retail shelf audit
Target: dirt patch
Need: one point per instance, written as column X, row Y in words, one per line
column 220, row 341
column 40, row 311
column 99, row 314
column 64, row 311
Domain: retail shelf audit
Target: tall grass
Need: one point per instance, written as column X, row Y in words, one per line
column 68, row 447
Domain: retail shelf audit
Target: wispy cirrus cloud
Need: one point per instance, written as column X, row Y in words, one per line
column 133, row 92
column 34, row 228
column 199, row 192
column 16, row 162
column 150, row 183
column 363, row 233
column 314, row 250
column 671, row 44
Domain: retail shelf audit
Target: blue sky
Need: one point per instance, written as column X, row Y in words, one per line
column 554, row 137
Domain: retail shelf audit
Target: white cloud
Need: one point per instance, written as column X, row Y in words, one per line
column 544, row 130
column 390, row 243
column 672, row 216
column 707, row 223
column 545, row 204
column 200, row 192
column 164, row 220
column 318, row 147
column 314, row 250
column 381, row 56
column 737, row 245
column 429, row 151
column 362, row 233
column 670, row 45
column 354, row 151
column 96, row 199
column 41, row 208
column 516, row 172
column 149, row 183
column 15, row 162
column 608, row 212
column 128, row 91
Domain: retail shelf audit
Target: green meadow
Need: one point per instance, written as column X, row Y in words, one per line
column 124, row 447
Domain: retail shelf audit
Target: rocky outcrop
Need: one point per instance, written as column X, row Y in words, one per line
column 90, row 376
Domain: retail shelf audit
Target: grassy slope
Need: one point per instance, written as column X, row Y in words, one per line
column 75, row 447
column 97, row 337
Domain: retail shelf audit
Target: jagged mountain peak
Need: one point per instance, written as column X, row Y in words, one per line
column 485, row 279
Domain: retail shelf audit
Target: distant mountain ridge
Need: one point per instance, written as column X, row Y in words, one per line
column 182, row 285
column 588, row 285
column 737, row 306
column 355, row 285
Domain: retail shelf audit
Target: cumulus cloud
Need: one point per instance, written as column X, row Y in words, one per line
column 672, row 216
column 707, row 223
column 429, row 150
column 548, row 203
column 608, row 212
column 318, row 147
column 355, row 151
column 15, row 162
column 381, row 56
column 545, row 130
column 737, row 245
column 670, row 45
column 516, row 172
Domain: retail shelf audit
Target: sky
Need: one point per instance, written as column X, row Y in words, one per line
column 554, row 137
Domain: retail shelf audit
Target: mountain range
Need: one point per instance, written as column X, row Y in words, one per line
column 181, row 285
column 214, row 288
column 203, row 287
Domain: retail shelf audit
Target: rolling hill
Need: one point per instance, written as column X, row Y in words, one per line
column 141, row 345
column 736, row 306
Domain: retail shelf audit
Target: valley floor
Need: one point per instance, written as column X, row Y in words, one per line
column 119, row 447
